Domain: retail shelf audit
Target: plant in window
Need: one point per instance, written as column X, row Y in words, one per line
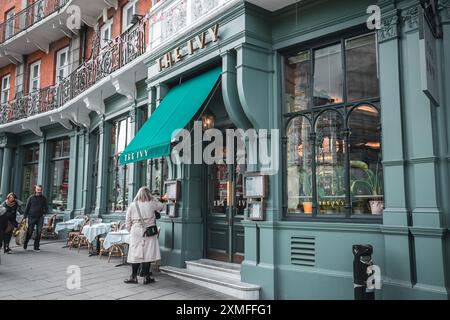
column 371, row 183
column 305, row 177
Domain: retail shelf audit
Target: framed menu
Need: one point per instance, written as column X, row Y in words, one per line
column 256, row 211
column 173, row 190
column 255, row 186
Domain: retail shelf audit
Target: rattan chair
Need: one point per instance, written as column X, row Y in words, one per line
column 72, row 236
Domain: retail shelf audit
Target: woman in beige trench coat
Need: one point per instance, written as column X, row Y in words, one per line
column 142, row 250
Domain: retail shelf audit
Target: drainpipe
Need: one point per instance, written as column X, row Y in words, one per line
column 230, row 92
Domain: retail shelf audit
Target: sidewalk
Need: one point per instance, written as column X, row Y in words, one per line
column 27, row 275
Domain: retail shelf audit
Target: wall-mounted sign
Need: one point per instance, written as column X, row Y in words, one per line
column 255, row 186
column 256, row 211
column 173, row 190
column 428, row 59
column 199, row 42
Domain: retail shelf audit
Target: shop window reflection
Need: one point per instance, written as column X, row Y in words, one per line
column 330, row 163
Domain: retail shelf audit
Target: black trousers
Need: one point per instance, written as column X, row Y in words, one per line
column 37, row 223
column 145, row 269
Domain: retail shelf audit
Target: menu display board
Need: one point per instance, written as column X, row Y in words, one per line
column 255, row 186
column 172, row 190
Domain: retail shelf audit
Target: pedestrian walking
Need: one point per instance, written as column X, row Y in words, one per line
column 35, row 211
column 144, row 243
column 11, row 206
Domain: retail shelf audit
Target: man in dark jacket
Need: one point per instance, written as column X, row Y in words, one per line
column 35, row 211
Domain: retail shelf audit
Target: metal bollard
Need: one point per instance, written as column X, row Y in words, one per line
column 361, row 263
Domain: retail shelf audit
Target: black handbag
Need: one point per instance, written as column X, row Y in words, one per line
column 149, row 231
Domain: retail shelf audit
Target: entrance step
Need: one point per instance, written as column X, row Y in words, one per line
column 224, row 284
column 223, row 269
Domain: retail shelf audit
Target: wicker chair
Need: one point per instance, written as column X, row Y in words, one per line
column 48, row 231
column 117, row 249
column 72, row 236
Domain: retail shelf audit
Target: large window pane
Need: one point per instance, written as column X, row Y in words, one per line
column 361, row 57
column 299, row 162
column 60, row 184
column 297, row 82
column 30, row 176
column 328, row 76
column 366, row 172
column 118, row 175
column 330, row 162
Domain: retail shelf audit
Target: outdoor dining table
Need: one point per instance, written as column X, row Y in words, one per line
column 73, row 224
column 93, row 232
column 116, row 237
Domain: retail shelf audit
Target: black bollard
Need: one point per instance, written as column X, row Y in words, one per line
column 361, row 262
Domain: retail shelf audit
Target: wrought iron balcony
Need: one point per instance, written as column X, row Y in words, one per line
column 103, row 62
column 32, row 14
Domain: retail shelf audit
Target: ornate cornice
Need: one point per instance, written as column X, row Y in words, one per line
column 389, row 28
column 444, row 7
column 410, row 18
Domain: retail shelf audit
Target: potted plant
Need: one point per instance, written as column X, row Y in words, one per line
column 373, row 183
column 305, row 178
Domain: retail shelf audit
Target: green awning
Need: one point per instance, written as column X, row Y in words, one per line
column 175, row 111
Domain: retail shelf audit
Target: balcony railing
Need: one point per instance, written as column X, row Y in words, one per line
column 120, row 52
column 32, row 14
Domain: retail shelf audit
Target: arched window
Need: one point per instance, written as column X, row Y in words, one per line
column 333, row 160
column 366, row 170
column 299, row 170
column 330, row 162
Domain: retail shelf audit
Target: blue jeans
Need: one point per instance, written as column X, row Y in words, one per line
column 32, row 223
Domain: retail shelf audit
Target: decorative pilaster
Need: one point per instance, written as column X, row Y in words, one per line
column 102, row 182
column 7, row 143
column 132, row 168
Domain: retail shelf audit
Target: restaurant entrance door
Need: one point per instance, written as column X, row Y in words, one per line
column 225, row 212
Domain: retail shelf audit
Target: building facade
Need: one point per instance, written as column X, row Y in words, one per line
column 362, row 152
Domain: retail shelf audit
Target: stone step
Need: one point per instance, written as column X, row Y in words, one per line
column 223, row 269
column 225, row 285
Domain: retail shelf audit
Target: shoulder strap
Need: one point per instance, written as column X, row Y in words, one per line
column 139, row 213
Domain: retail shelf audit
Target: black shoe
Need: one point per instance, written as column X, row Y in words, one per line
column 148, row 280
column 25, row 246
column 8, row 251
column 132, row 280
column 37, row 250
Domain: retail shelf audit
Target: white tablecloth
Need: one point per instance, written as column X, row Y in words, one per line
column 74, row 224
column 91, row 232
column 122, row 236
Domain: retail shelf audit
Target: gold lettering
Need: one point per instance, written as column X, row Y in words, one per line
column 214, row 33
column 191, row 46
column 177, row 55
column 201, row 40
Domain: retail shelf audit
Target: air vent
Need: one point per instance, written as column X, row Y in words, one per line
column 303, row 251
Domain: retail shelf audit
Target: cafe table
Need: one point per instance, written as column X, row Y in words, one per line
column 117, row 237
column 94, row 231
column 73, row 224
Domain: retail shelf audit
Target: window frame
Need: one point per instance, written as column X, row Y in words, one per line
column 65, row 67
column 107, row 25
column 58, row 158
column 312, row 114
column 127, row 24
column 32, row 79
column 4, row 90
column 10, row 23
column 114, row 163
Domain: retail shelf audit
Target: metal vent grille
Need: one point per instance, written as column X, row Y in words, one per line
column 303, row 251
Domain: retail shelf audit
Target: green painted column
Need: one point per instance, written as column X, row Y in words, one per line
column 73, row 177
column 8, row 144
column 18, row 169
column 44, row 165
column 1, row 160
column 102, row 183
column 6, row 177
column 132, row 167
column 398, row 243
column 87, row 160
column 255, row 73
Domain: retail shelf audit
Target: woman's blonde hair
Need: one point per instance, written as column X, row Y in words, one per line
column 143, row 195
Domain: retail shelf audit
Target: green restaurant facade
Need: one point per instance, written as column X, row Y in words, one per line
column 356, row 130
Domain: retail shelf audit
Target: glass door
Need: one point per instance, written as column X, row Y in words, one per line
column 225, row 212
